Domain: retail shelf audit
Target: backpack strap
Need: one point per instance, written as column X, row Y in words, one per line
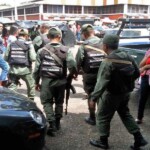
column 118, row 61
column 95, row 49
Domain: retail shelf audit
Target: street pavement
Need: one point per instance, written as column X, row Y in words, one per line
column 75, row 133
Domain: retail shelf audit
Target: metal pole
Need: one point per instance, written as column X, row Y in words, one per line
column 16, row 13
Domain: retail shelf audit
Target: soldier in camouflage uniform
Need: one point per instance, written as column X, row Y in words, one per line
column 89, row 60
column 51, row 66
column 115, row 81
column 20, row 55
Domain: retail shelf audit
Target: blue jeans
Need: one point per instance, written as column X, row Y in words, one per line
column 144, row 93
column 4, row 69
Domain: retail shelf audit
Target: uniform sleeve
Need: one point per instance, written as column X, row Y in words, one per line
column 103, row 78
column 71, row 63
column 137, row 71
column 32, row 53
column 36, row 72
column 79, row 57
column 37, row 41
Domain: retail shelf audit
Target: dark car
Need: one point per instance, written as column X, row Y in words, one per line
column 22, row 124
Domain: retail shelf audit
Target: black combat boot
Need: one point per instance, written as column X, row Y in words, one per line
column 90, row 121
column 101, row 143
column 139, row 141
column 58, row 123
column 51, row 129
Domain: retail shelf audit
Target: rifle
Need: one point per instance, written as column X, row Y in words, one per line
column 68, row 88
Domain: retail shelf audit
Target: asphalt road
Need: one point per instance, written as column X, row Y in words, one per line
column 75, row 133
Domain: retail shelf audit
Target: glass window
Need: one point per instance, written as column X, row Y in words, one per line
column 92, row 9
column 20, row 11
column 137, row 8
column 52, row 9
column 7, row 13
column 32, row 10
column 73, row 9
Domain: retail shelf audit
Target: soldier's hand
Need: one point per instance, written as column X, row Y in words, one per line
column 38, row 87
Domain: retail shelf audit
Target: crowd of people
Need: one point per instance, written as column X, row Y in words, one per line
column 108, row 76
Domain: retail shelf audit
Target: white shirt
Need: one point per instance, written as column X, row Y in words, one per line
column 11, row 39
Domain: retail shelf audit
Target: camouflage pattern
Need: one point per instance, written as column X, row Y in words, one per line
column 109, row 103
column 52, row 90
column 24, row 73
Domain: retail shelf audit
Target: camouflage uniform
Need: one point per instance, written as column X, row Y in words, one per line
column 89, row 77
column 17, row 72
column 52, row 87
column 113, row 94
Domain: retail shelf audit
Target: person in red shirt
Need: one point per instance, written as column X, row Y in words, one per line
column 144, row 86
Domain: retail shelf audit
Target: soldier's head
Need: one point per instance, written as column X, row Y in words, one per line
column 13, row 30
column 24, row 33
column 54, row 34
column 44, row 28
column 110, row 42
column 87, row 31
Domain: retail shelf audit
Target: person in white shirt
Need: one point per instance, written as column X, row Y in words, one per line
column 13, row 33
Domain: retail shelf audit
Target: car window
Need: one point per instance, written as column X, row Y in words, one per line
column 130, row 33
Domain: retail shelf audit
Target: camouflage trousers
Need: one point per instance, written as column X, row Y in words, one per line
column 51, row 95
column 14, row 82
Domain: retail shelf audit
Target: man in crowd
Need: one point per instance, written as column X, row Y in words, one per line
column 13, row 33
column 20, row 55
column 88, row 59
column 115, row 81
column 51, row 66
column 42, row 39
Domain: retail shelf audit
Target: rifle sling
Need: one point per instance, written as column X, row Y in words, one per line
column 94, row 48
column 119, row 61
column 56, row 58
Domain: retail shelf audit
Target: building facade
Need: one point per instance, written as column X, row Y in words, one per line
column 71, row 9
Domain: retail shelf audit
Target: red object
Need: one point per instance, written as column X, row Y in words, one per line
column 5, row 40
column 147, row 63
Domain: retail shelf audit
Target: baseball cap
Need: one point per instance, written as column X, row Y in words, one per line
column 86, row 27
column 111, row 39
column 55, row 31
column 24, row 32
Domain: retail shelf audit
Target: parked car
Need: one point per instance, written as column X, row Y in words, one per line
column 22, row 124
column 134, row 37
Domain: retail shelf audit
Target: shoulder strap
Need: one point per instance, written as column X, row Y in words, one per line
column 119, row 61
column 54, row 56
column 94, row 48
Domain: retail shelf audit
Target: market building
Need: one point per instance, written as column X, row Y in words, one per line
column 73, row 9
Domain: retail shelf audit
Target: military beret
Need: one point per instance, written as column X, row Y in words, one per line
column 55, row 31
column 111, row 39
column 24, row 32
column 86, row 27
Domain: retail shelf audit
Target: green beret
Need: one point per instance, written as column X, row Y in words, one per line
column 86, row 27
column 111, row 39
column 55, row 31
